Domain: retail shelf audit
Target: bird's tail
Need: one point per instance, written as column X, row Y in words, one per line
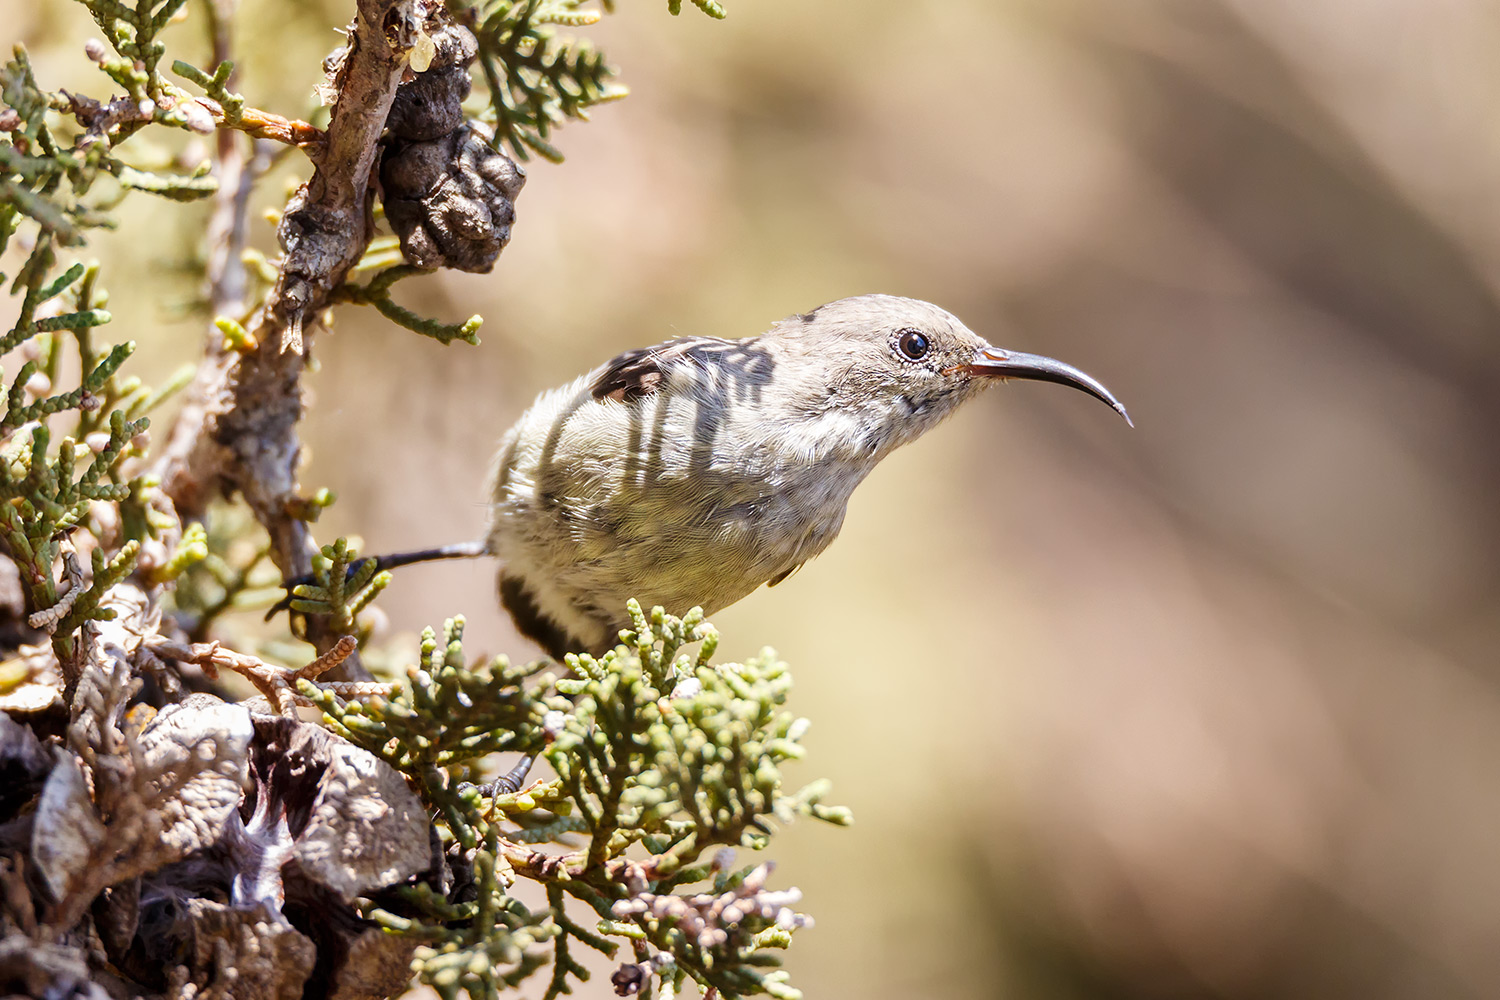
column 459, row 550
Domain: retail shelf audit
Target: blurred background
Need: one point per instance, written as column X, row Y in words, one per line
column 1210, row 708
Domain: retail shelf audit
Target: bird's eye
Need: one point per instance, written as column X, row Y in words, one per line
column 912, row 344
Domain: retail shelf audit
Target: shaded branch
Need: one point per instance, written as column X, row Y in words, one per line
column 239, row 432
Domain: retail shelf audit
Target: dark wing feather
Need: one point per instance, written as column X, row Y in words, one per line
column 785, row 573
column 533, row 624
column 636, row 374
column 639, row 373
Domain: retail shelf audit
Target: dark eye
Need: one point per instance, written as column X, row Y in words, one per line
column 912, row 344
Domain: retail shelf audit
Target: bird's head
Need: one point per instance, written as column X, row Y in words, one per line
column 901, row 365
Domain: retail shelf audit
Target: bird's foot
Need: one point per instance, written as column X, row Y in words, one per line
column 508, row 783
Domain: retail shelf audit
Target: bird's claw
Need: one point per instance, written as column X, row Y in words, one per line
column 507, row 784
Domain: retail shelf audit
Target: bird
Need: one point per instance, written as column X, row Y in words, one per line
column 690, row 473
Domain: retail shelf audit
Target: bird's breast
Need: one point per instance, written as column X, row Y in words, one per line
column 673, row 500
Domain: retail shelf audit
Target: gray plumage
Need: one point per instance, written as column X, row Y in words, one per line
column 693, row 472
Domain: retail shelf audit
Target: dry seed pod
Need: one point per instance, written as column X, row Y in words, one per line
column 430, row 104
column 320, row 822
column 451, row 199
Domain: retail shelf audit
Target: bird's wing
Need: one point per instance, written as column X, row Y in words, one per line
column 637, row 374
column 785, row 573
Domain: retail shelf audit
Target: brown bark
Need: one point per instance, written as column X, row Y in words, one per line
column 238, row 429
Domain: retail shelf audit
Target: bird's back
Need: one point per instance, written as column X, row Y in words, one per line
column 654, row 477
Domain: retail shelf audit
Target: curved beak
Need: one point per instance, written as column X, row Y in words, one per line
column 997, row 363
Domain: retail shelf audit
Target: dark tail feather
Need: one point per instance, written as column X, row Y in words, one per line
column 460, row 550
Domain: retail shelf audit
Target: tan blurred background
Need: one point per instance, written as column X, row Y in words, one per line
column 1210, row 708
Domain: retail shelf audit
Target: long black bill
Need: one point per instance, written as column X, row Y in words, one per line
column 994, row 362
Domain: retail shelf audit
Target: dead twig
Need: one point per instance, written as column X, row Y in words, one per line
column 47, row 618
column 278, row 684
